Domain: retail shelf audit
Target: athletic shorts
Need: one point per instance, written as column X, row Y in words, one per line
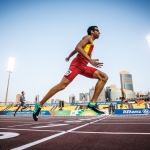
column 74, row 71
column 22, row 103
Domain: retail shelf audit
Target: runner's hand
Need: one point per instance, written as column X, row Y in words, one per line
column 67, row 59
column 96, row 63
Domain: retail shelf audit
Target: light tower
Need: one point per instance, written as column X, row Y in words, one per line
column 9, row 70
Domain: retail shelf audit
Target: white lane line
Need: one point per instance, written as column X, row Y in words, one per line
column 22, row 122
column 122, row 123
column 74, row 121
column 34, row 123
column 32, row 130
column 127, row 120
column 53, row 136
column 21, row 125
column 110, row 132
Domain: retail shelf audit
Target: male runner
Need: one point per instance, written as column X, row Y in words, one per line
column 22, row 102
column 79, row 66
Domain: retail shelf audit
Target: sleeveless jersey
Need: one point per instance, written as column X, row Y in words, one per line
column 23, row 98
column 80, row 61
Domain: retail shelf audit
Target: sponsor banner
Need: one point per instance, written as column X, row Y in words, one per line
column 24, row 113
column 87, row 112
column 131, row 111
column 98, row 103
column 57, row 113
column 62, row 112
column 47, row 104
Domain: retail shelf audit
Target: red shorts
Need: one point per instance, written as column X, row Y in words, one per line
column 74, row 71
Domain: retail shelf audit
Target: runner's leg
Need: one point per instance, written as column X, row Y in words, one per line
column 17, row 109
column 102, row 79
column 66, row 80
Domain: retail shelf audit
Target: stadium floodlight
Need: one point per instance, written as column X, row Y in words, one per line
column 11, row 64
column 9, row 70
column 148, row 39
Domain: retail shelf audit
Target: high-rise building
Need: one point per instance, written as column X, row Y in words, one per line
column 101, row 97
column 84, row 96
column 36, row 98
column 18, row 98
column 127, row 85
column 113, row 93
column 126, row 80
column 87, row 98
column 91, row 92
column 52, row 101
column 72, row 98
column 81, row 96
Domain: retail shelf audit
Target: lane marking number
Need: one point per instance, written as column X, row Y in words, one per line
column 6, row 135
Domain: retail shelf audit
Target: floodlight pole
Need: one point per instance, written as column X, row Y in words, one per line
column 7, row 88
column 9, row 70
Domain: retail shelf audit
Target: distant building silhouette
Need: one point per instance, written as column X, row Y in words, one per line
column 72, row 98
column 127, row 85
column 112, row 92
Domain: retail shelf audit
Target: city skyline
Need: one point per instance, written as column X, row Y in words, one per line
column 91, row 91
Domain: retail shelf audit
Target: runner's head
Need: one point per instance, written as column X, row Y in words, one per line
column 94, row 31
column 22, row 93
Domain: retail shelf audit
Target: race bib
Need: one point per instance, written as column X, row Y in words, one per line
column 68, row 72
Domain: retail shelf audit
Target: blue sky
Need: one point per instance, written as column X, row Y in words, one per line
column 40, row 34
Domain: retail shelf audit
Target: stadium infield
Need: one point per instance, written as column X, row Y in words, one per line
column 75, row 133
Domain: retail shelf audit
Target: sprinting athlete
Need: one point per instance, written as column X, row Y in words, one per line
column 22, row 103
column 79, row 65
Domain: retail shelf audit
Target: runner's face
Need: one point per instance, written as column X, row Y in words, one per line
column 96, row 33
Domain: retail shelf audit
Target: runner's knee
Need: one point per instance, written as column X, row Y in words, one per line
column 101, row 76
column 105, row 78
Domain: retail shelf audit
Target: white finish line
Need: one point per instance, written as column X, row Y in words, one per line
column 53, row 136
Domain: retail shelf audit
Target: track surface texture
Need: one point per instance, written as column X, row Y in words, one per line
column 75, row 133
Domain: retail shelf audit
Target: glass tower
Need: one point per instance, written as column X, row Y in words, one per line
column 126, row 80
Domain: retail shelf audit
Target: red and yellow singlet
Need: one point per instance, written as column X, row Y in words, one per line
column 89, row 48
column 79, row 65
column 80, row 61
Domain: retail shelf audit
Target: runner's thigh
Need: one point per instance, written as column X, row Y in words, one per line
column 72, row 73
column 88, row 72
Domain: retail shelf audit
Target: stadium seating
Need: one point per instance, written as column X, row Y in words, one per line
column 67, row 108
column 2, row 108
column 103, row 106
column 122, row 106
column 46, row 108
column 138, row 106
column 12, row 108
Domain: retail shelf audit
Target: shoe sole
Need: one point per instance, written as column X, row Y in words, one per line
column 35, row 117
column 95, row 110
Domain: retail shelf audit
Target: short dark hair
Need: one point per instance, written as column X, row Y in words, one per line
column 91, row 28
column 22, row 92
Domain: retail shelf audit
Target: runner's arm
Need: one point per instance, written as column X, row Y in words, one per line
column 80, row 46
column 87, row 39
column 71, row 54
column 20, row 98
